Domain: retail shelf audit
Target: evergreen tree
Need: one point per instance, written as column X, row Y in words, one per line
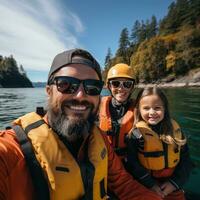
column 22, row 71
column 135, row 32
column 194, row 12
column 123, row 45
column 10, row 75
column 148, row 29
column 142, row 32
column 182, row 8
column 153, row 29
column 108, row 58
column 169, row 23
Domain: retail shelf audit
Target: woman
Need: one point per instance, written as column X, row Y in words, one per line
column 116, row 115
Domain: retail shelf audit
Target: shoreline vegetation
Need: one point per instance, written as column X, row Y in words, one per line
column 163, row 52
column 12, row 75
column 169, row 85
column 192, row 79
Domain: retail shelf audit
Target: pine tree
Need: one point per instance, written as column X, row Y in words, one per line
column 108, row 58
column 148, row 29
column 123, row 43
column 153, row 29
column 194, row 11
column 135, row 32
column 169, row 23
column 22, row 71
column 142, row 32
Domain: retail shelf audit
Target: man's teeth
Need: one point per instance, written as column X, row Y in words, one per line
column 78, row 107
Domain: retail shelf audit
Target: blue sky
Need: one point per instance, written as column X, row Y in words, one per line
column 35, row 31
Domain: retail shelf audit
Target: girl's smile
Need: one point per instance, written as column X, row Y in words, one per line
column 151, row 109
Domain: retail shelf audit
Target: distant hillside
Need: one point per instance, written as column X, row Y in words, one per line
column 12, row 76
column 39, row 84
column 156, row 50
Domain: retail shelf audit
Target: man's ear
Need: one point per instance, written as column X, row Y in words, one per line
column 48, row 90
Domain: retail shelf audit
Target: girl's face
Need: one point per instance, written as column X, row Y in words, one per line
column 151, row 109
column 121, row 88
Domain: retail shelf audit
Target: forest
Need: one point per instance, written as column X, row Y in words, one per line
column 158, row 50
column 11, row 75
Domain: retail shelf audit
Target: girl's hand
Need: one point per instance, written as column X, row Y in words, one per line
column 158, row 190
column 167, row 188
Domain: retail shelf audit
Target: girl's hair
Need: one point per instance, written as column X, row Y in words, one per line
column 166, row 128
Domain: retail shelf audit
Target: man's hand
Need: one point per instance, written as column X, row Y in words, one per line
column 167, row 188
column 158, row 190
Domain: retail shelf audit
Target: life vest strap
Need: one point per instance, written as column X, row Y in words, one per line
column 34, row 125
column 36, row 172
column 121, row 151
column 152, row 154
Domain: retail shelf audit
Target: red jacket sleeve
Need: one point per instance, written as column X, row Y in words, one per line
column 121, row 182
column 15, row 180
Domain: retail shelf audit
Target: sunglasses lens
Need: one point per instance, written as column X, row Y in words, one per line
column 115, row 84
column 128, row 84
column 93, row 87
column 67, row 85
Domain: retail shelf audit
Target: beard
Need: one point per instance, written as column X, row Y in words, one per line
column 72, row 127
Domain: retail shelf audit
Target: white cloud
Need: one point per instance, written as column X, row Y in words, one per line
column 35, row 31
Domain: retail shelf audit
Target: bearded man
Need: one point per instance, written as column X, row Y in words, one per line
column 63, row 155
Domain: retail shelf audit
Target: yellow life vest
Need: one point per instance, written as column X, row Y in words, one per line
column 62, row 170
column 155, row 156
column 105, row 122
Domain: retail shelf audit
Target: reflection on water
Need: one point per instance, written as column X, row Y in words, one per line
column 16, row 102
column 184, row 106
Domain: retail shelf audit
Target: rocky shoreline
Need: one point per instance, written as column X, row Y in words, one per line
column 169, row 85
column 192, row 79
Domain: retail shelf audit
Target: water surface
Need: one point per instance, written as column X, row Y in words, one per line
column 184, row 106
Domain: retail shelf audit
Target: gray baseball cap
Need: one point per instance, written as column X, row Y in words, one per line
column 74, row 56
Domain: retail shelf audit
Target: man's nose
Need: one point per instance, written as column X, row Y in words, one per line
column 80, row 93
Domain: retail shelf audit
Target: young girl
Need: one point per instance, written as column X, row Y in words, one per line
column 157, row 151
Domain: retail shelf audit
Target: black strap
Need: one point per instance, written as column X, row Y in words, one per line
column 86, row 167
column 87, row 173
column 121, row 151
column 102, row 188
column 38, row 178
column 34, row 125
column 152, row 154
column 40, row 111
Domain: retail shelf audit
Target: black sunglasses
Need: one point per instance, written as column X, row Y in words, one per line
column 70, row 85
column 126, row 84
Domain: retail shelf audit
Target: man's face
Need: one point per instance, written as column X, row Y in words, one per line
column 70, row 114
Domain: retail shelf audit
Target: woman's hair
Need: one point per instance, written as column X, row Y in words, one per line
column 166, row 128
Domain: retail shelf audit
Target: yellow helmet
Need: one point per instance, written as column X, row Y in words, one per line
column 120, row 70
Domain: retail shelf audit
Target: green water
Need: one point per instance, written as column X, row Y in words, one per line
column 184, row 106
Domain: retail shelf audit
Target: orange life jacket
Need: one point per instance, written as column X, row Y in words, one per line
column 61, row 169
column 105, row 124
column 153, row 156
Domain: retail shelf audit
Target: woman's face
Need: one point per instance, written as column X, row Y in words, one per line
column 121, row 88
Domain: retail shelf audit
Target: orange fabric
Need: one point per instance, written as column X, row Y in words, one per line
column 105, row 122
column 163, row 172
column 122, row 183
column 15, row 180
column 106, row 125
